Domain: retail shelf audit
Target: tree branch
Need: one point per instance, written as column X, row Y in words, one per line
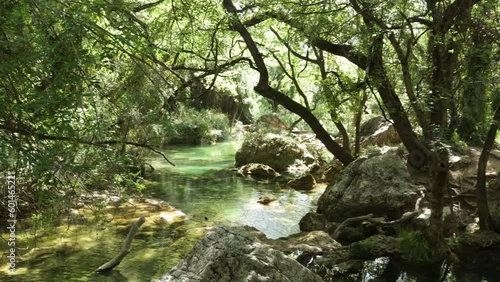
column 28, row 132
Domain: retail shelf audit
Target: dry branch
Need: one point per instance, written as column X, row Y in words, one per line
column 125, row 248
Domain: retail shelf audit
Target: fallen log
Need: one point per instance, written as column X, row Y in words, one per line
column 125, row 248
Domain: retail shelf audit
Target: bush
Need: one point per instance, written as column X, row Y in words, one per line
column 189, row 126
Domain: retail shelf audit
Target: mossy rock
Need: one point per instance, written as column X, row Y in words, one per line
column 276, row 151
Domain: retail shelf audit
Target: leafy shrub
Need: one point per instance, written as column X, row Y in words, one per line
column 190, row 126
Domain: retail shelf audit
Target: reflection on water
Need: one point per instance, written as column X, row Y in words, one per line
column 198, row 185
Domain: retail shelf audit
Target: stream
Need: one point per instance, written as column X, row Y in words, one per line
column 201, row 185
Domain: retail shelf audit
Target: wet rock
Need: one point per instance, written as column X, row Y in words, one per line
column 258, row 170
column 303, row 183
column 266, row 199
column 234, row 254
column 171, row 217
column 378, row 184
column 282, row 153
column 493, row 191
column 312, row 221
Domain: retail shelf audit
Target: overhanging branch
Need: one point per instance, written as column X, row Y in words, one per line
column 41, row 136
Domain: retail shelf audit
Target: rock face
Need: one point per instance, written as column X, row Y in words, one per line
column 232, row 254
column 312, row 221
column 377, row 131
column 378, row 184
column 258, row 170
column 494, row 202
column 276, row 151
column 303, row 183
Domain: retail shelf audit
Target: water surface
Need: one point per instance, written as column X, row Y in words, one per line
column 201, row 185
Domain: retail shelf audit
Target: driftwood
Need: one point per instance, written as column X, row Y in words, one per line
column 125, row 248
column 407, row 216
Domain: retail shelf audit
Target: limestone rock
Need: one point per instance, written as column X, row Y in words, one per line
column 377, row 131
column 379, row 184
column 303, row 183
column 276, row 151
column 233, row 254
column 312, row 221
column 314, row 241
column 258, row 170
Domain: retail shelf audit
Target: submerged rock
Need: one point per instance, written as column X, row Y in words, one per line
column 265, row 199
column 379, row 184
column 303, row 183
column 234, row 254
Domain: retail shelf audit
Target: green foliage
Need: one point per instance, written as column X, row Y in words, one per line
column 414, row 245
column 190, row 126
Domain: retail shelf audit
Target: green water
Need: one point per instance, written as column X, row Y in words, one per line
column 200, row 188
column 200, row 185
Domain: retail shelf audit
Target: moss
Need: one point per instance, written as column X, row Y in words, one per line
column 414, row 245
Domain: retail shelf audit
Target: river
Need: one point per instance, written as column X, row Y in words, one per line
column 200, row 185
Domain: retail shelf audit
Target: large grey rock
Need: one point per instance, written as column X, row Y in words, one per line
column 234, row 254
column 282, row 153
column 378, row 184
column 257, row 170
column 494, row 202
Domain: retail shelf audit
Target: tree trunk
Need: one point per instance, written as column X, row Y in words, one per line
column 265, row 90
column 439, row 178
column 343, row 132
column 419, row 155
column 485, row 222
column 474, row 95
column 357, row 124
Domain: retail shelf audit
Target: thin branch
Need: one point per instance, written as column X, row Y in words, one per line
column 147, row 6
column 27, row 132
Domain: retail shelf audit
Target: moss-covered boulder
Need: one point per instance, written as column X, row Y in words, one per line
column 378, row 184
column 282, row 153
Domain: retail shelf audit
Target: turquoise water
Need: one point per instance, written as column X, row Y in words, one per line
column 202, row 187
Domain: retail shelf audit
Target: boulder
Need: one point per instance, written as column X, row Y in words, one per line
column 370, row 126
column 257, row 170
column 270, row 122
column 377, row 131
column 313, row 242
column 493, row 193
column 282, row 153
column 235, row 254
column 312, row 221
column 379, row 184
column 303, row 183
column 332, row 172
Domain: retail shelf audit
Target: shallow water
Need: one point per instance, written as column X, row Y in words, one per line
column 199, row 185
